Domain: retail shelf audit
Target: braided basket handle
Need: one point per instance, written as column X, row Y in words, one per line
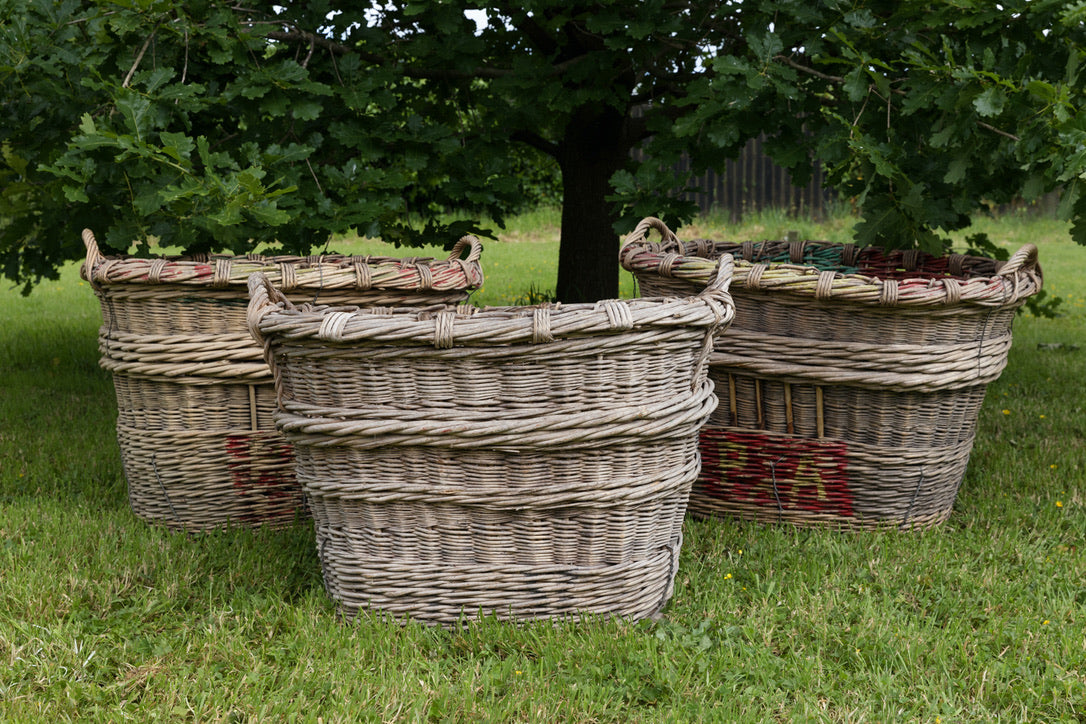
column 468, row 241
column 668, row 240
column 264, row 298
column 1025, row 260
column 94, row 257
column 716, row 295
column 717, row 288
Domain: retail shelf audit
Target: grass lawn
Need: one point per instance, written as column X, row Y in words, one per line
column 104, row 618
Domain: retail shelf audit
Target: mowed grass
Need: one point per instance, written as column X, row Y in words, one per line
column 104, row 618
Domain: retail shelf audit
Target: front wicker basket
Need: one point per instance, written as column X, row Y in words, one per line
column 194, row 396
column 853, row 378
column 529, row 462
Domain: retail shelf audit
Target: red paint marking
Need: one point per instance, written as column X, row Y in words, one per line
column 890, row 265
column 238, row 448
column 771, row 470
column 270, row 494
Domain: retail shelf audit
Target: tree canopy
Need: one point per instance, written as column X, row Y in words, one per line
column 215, row 126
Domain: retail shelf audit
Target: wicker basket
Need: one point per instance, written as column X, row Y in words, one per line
column 530, row 462
column 194, row 396
column 853, row 377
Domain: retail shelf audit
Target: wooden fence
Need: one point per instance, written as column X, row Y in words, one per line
column 754, row 182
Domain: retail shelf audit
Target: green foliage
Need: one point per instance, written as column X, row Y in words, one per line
column 925, row 114
column 535, row 295
column 187, row 125
column 213, row 126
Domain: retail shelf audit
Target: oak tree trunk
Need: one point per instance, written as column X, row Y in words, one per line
column 592, row 149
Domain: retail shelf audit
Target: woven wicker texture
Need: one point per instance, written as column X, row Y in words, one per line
column 532, row 462
column 848, row 398
column 195, row 398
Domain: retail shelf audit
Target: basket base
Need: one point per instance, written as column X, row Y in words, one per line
column 454, row 593
column 438, row 535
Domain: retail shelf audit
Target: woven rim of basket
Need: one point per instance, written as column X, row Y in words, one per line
column 1010, row 283
column 444, row 326
column 290, row 272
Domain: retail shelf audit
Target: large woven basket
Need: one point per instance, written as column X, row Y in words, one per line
column 530, row 462
column 852, row 378
column 194, row 396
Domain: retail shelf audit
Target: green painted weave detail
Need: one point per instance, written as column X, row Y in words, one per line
column 823, row 259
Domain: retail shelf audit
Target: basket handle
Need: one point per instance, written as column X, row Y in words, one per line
column 716, row 295
column 263, row 298
column 717, row 288
column 471, row 242
column 1024, row 259
column 668, row 240
column 94, row 256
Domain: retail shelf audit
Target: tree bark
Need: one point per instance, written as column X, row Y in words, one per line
column 592, row 149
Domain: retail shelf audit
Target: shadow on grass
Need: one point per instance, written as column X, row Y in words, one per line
column 277, row 563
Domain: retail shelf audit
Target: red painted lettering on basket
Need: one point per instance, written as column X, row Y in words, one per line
column 775, row 471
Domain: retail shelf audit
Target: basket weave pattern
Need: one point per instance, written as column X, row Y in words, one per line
column 848, row 398
column 532, row 462
column 195, row 398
